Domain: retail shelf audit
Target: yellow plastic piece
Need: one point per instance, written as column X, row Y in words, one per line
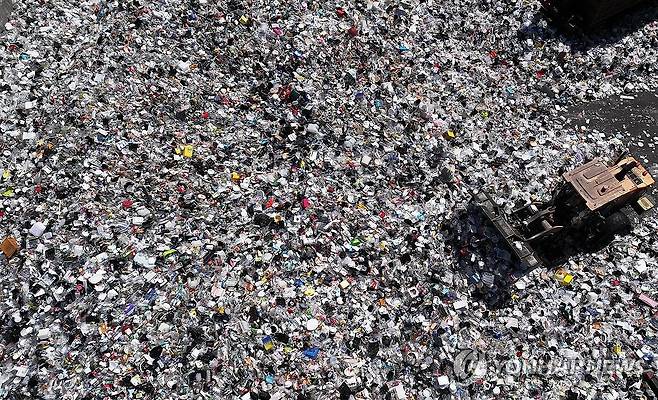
column 567, row 279
column 167, row 253
column 268, row 346
column 450, row 134
column 309, row 292
column 616, row 348
column 560, row 274
column 6, row 174
column 244, row 20
column 235, row 176
column 188, row 151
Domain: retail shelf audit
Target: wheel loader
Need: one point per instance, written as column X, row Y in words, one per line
column 586, row 13
column 592, row 203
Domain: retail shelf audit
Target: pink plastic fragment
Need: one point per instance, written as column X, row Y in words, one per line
column 648, row 300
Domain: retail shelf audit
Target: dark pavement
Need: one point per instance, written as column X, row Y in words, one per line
column 5, row 9
column 636, row 119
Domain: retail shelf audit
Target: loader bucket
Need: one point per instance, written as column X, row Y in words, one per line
column 514, row 240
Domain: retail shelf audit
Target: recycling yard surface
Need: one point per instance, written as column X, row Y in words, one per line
column 273, row 200
column 5, row 10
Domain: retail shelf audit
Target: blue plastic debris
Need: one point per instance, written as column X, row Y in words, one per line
column 312, row 352
column 267, row 343
column 129, row 309
column 151, row 294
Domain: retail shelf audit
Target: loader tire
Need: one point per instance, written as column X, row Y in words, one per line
column 617, row 223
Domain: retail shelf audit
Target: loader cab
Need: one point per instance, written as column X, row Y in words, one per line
column 601, row 186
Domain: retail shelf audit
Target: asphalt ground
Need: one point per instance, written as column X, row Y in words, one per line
column 636, row 119
column 5, row 10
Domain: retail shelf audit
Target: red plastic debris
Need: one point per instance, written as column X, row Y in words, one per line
column 285, row 92
column 38, row 189
column 306, row 203
column 127, row 203
column 205, row 115
column 340, row 11
column 540, row 74
column 353, row 31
